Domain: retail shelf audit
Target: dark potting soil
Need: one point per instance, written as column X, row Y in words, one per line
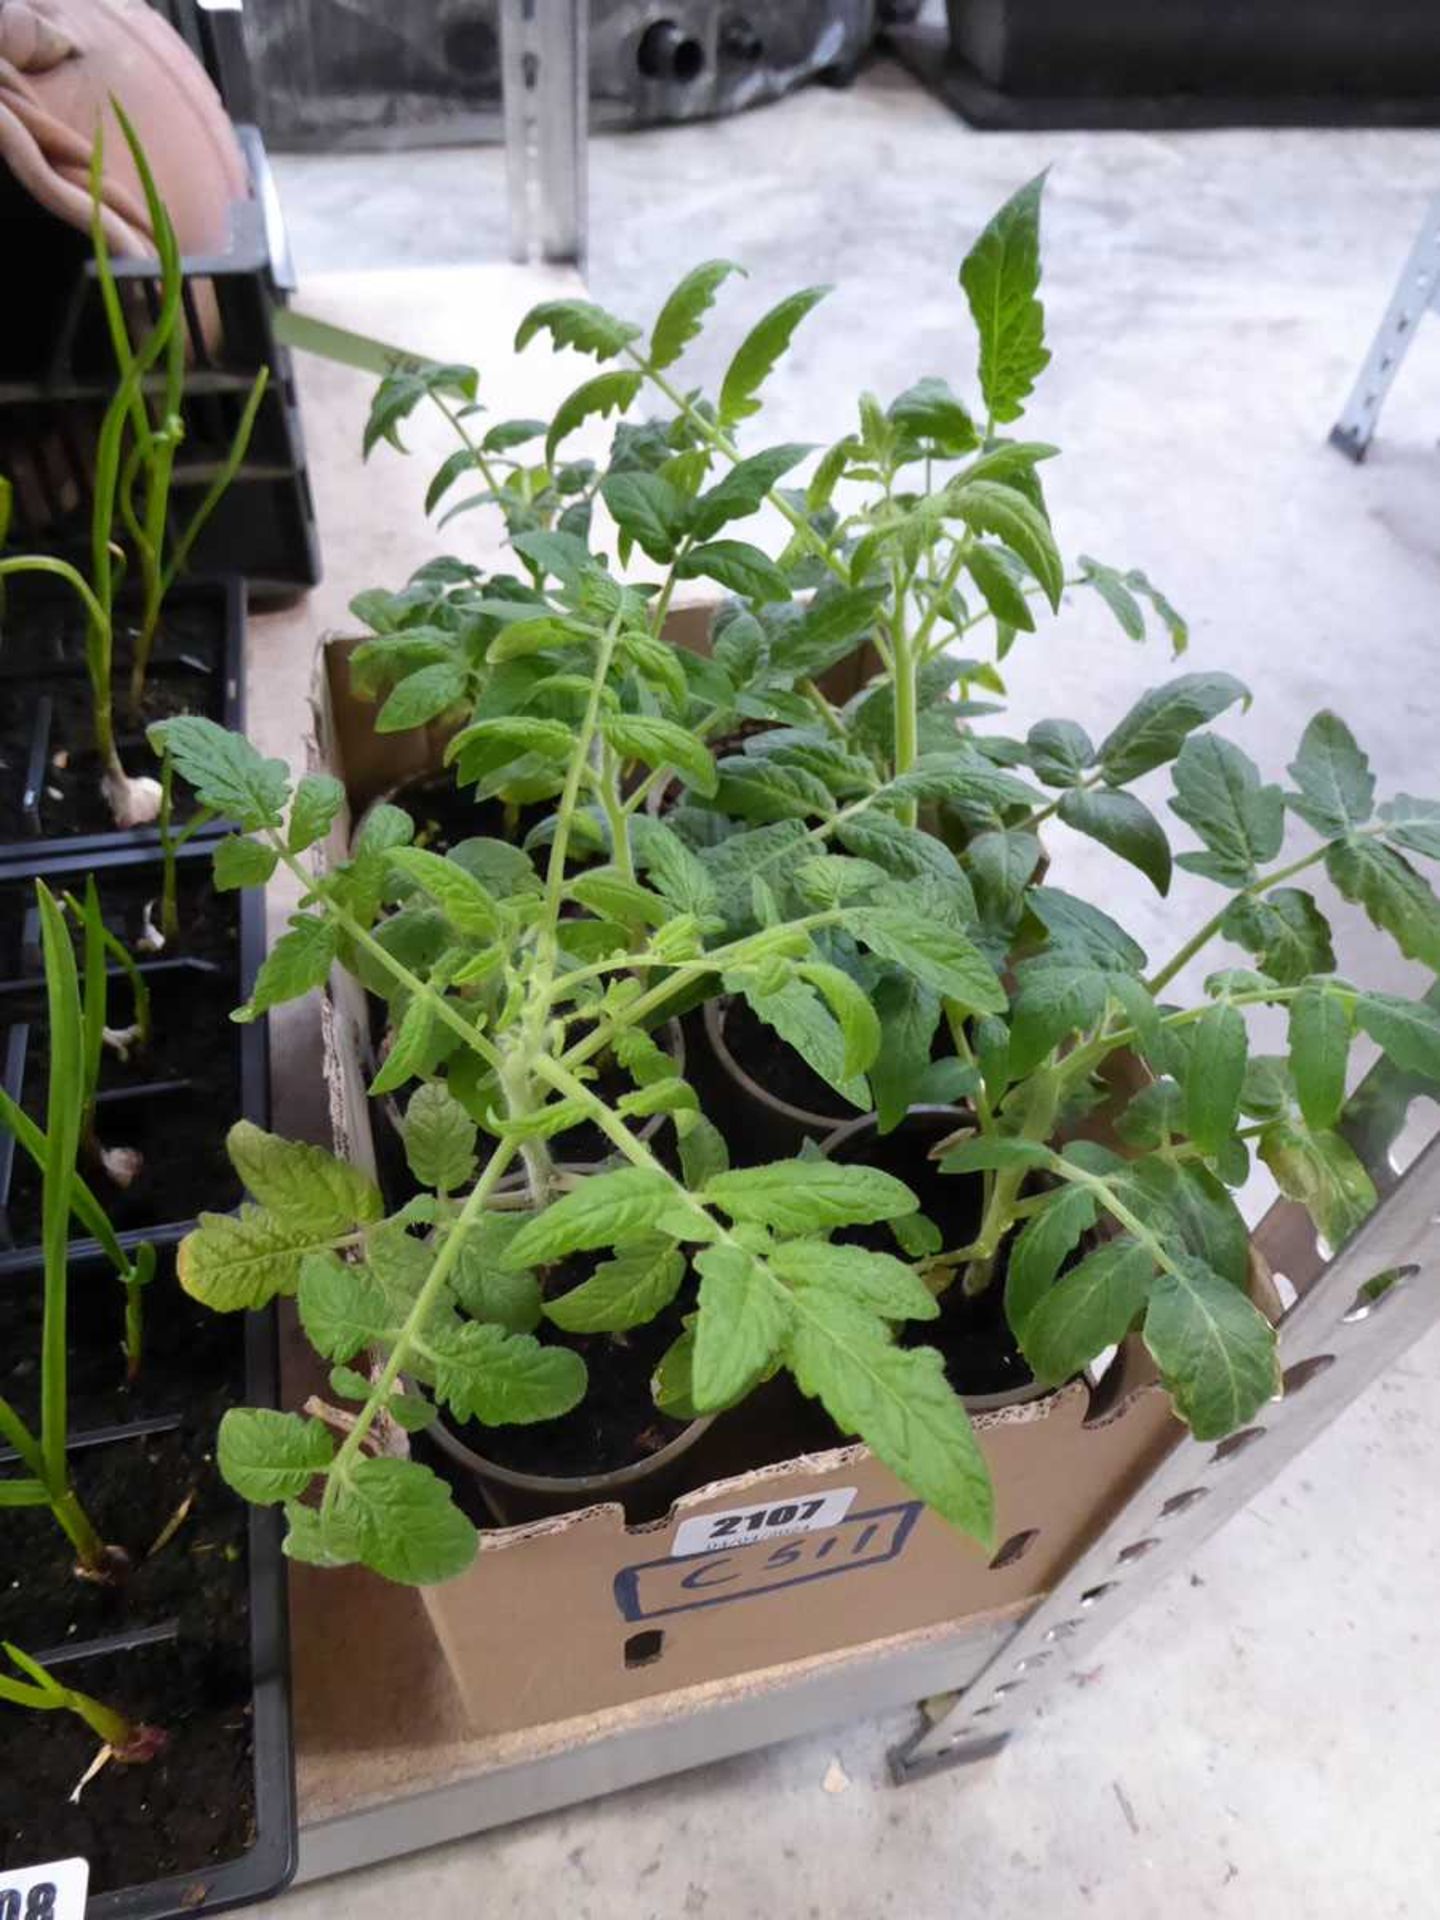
column 617, row 1423
column 981, row 1354
column 44, row 658
column 181, row 1340
column 184, row 1169
column 445, row 814
column 209, row 926
column 193, row 1806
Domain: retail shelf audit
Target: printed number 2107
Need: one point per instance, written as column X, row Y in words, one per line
column 743, row 1526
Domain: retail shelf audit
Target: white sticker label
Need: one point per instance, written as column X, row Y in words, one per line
column 55, row 1891
column 743, row 1526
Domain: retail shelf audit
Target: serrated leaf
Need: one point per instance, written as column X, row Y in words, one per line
column 1219, row 793
column 680, row 318
column 439, row 1137
column 607, row 393
column 661, row 743
column 1397, row 898
column 459, row 895
column 930, row 414
column 742, row 491
column 898, row 1401
column 736, row 566
column 1060, row 751
column 299, row 961
column 908, row 1013
column 1407, row 1030
column 794, row 1011
column 342, row 1309
column 1337, row 788
column 503, row 1379
column 318, row 799
column 1319, row 1052
column 878, row 1282
column 1413, row 823
column 268, row 1456
column 408, row 1050
column 744, row 1313
column 1155, row 728
column 423, row 696
column 988, row 507
column 402, row 1523
column 993, row 1151
column 1126, row 826
column 1081, row 931
column 672, row 868
column 1187, row 1207
column 847, row 1000
column 797, row 1196
column 579, row 324
column 936, row 955
column 1286, row 932
column 1215, row 1351
column 244, row 1259
column 605, row 1210
column 487, row 1291
column 1041, row 1248
column 1054, row 998
column 625, row 1292
column 1322, row 1172
column 999, row 588
column 1001, row 278
column 649, row 509
column 242, row 863
column 759, row 351
column 225, row 770
column 1215, row 1076
column 301, row 1184
column 1088, row 1309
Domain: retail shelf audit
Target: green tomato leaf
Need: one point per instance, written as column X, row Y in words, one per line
column 1337, row 788
column 738, row 567
column 299, row 961
column 1001, row 278
column 1041, row 1248
column 1413, row 823
column 743, row 1316
column 759, row 351
column 743, row 488
column 1319, row 1050
column 1397, row 898
column 681, row 316
column 852, row 1007
column 1215, row 1076
column 267, row 1456
column 1407, row 1030
column 1155, row 728
column 1286, row 932
column 579, row 324
column 1126, row 826
column 987, row 506
column 878, row 1282
column 423, row 696
column 439, row 1138
column 605, row 1210
column 897, row 1400
column 342, row 1308
column 932, row 416
column 606, row 393
column 1059, row 751
column 225, row 770
column 244, row 1259
column 318, row 799
column 1218, row 792
column 402, row 1524
column 661, row 743
column 1215, row 1351
column 649, row 509
column 503, row 1379
column 909, row 1014
column 300, row 1184
column 625, row 1292
column 1088, row 1309
column 936, row 955
column 1322, row 1172
column 454, row 889
column 797, row 1196
column 243, row 863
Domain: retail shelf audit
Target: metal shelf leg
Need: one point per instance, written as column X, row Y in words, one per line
column 1417, row 290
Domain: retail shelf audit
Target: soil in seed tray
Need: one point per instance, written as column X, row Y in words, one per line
column 129, row 900
column 191, row 1036
column 132, row 1489
column 617, row 1423
column 187, row 1811
column 44, row 649
column 778, row 1068
column 184, row 1169
column 182, row 1342
column 981, row 1354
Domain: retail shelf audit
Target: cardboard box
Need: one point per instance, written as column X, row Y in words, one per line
column 790, row 1555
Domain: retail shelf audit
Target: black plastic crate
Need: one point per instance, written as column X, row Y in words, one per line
column 242, row 1349
column 57, row 373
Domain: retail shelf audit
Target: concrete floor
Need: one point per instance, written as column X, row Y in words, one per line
column 1259, row 1741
